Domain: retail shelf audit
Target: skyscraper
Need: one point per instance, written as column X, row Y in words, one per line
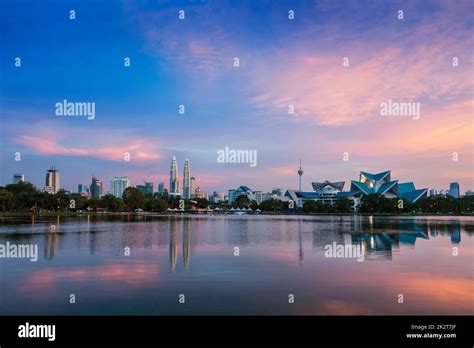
column 174, row 182
column 186, row 180
column 198, row 193
column 82, row 188
column 146, row 189
column 96, row 187
column 52, row 180
column 161, row 187
column 118, row 184
column 192, row 186
column 18, row 177
column 454, row 190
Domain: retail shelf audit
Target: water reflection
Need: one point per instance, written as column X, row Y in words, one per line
column 377, row 238
column 278, row 255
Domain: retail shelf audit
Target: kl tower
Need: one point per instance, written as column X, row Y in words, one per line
column 300, row 173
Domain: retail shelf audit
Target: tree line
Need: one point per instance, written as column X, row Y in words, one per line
column 24, row 197
column 379, row 204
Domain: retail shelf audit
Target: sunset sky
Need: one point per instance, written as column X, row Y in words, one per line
column 282, row 62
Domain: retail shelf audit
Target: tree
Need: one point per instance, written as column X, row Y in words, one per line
column 312, row 206
column 61, row 200
column 272, row 205
column 254, row 204
column 23, row 193
column 6, row 199
column 343, row 205
column 133, row 198
column 111, row 203
column 155, row 204
column 93, row 203
column 377, row 203
column 202, row 203
column 241, row 202
column 80, row 202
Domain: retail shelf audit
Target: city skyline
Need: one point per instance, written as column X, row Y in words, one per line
column 335, row 124
column 119, row 183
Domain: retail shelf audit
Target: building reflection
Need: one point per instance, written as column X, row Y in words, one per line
column 456, row 233
column 50, row 245
column 173, row 244
column 300, row 244
column 379, row 238
column 186, row 242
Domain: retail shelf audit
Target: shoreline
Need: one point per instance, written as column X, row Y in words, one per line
column 188, row 213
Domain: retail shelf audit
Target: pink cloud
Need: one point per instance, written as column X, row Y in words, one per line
column 290, row 171
column 327, row 93
column 108, row 145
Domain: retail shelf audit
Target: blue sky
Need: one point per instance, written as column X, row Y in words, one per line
column 282, row 62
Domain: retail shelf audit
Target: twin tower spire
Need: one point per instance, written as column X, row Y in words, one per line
column 174, row 180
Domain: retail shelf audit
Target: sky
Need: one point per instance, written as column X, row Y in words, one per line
column 336, row 129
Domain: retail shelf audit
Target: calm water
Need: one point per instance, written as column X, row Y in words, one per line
column 279, row 256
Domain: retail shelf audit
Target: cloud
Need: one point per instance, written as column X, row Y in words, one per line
column 287, row 171
column 106, row 144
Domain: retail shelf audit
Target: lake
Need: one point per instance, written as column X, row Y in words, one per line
column 238, row 265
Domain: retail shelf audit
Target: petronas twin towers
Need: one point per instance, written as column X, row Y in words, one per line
column 174, row 180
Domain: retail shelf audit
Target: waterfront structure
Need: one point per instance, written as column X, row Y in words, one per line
column 186, row 180
column 161, row 187
column 260, row 196
column 17, row 178
column 174, row 182
column 241, row 190
column 325, row 192
column 52, row 181
column 379, row 183
column 279, row 192
column 407, row 191
column 118, row 184
column 96, row 187
column 454, row 190
column 257, row 196
column 146, row 189
column 328, row 192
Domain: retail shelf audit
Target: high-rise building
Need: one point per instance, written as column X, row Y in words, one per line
column 174, row 182
column 433, row 192
column 18, row 177
column 186, row 180
column 192, row 185
column 96, row 187
column 52, row 180
column 83, row 189
column 146, row 189
column 454, row 190
column 161, row 187
column 118, row 184
column 198, row 193
column 217, row 197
